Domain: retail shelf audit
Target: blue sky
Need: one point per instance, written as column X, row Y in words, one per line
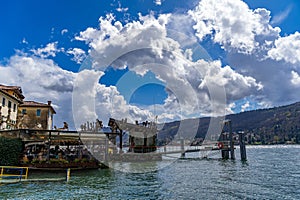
column 243, row 49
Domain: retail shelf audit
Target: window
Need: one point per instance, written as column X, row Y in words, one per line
column 15, row 107
column 9, row 104
column 3, row 102
column 24, row 111
column 38, row 112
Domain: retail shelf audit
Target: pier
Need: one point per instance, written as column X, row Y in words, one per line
column 44, row 146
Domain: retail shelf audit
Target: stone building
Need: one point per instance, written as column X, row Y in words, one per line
column 11, row 97
column 35, row 115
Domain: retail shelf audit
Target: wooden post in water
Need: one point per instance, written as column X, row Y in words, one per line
column 224, row 150
column 242, row 146
column 68, row 174
column 231, row 142
column 121, row 141
column 182, row 148
column 232, row 156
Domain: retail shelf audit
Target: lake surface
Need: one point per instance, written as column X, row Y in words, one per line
column 271, row 172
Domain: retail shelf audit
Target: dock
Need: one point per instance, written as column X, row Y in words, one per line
column 103, row 147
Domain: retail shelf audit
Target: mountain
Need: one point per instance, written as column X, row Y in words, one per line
column 276, row 125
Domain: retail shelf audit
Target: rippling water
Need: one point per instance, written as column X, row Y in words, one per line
column 271, row 172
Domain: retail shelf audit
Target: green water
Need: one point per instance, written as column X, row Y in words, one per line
column 271, row 172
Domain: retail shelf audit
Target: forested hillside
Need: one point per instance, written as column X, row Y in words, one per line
column 266, row 126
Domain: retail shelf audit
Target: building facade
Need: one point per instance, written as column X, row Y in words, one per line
column 35, row 115
column 11, row 97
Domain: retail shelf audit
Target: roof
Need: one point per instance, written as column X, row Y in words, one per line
column 11, row 96
column 16, row 89
column 36, row 104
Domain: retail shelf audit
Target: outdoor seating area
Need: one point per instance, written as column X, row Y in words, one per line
column 39, row 155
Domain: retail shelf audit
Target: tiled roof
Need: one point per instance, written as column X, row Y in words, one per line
column 11, row 96
column 36, row 104
column 16, row 89
column 7, row 87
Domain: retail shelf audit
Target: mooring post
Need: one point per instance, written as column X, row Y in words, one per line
column 242, row 146
column 68, row 174
column 232, row 156
column 182, row 148
column 224, row 150
column 121, row 141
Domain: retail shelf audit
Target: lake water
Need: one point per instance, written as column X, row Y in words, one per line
column 271, row 172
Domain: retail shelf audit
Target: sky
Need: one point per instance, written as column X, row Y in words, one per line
column 151, row 59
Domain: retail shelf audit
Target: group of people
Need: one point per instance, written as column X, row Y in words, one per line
column 40, row 152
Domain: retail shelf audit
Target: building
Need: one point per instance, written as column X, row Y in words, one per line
column 11, row 97
column 35, row 115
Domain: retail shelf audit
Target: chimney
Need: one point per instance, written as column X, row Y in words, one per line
column 49, row 103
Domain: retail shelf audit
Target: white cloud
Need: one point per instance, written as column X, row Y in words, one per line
column 252, row 46
column 194, row 86
column 87, row 34
column 64, row 31
column 145, row 45
column 236, row 85
column 279, row 18
column 120, row 8
column 41, row 80
column 78, row 54
column 245, row 106
column 99, row 101
column 24, row 41
column 295, row 78
column 158, row 2
column 232, row 24
column 47, row 51
column 230, row 107
column 287, row 49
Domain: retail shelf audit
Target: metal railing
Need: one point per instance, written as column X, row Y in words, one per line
column 13, row 172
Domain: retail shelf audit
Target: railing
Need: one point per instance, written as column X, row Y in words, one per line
column 13, row 172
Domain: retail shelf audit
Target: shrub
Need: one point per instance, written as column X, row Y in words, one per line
column 10, row 151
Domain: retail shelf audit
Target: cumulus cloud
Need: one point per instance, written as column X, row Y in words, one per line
column 49, row 50
column 253, row 46
column 146, row 45
column 286, row 48
column 256, row 66
column 295, row 78
column 236, row 85
column 41, row 80
column 232, row 24
column 78, row 54
column 96, row 100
